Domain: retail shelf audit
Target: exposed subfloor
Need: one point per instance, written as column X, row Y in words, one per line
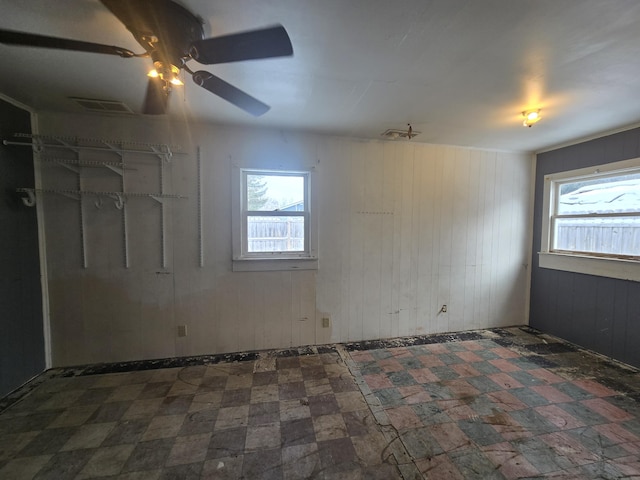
column 491, row 404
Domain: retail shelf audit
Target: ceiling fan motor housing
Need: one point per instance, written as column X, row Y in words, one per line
column 163, row 28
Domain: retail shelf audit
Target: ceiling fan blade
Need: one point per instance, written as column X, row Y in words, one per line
column 230, row 93
column 156, row 98
column 11, row 37
column 264, row 43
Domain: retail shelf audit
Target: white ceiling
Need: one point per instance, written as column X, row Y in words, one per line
column 461, row 72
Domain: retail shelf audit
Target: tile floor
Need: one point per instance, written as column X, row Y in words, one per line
column 515, row 406
column 294, row 417
column 492, row 404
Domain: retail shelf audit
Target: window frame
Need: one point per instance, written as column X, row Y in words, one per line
column 243, row 260
column 621, row 267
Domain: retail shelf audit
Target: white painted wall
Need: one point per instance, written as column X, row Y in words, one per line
column 403, row 229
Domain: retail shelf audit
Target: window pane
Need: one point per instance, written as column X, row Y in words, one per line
column 614, row 236
column 267, row 192
column 275, row 234
column 602, row 195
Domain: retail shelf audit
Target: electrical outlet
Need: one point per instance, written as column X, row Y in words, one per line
column 326, row 322
column 444, row 309
column 182, row 330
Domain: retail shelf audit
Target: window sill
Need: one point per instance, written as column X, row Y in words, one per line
column 601, row 267
column 273, row 264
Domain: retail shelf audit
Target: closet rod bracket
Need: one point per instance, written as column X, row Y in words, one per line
column 30, row 199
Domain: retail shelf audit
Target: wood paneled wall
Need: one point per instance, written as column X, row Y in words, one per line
column 22, row 345
column 404, row 228
column 422, row 226
column 599, row 313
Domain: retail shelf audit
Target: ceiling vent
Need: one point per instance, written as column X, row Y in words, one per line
column 394, row 134
column 102, row 106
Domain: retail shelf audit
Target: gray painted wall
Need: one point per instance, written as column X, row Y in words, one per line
column 599, row 313
column 21, row 334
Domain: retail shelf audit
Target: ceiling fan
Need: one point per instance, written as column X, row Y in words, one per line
column 171, row 36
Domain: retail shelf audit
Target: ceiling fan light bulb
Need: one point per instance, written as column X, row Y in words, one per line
column 167, row 72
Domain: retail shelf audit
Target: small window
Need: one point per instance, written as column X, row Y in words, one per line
column 276, row 225
column 594, row 214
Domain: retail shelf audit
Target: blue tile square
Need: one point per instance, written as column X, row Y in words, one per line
column 430, row 413
column 527, row 379
column 582, row 413
column 573, row 391
column 410, row 363
column 485, row 368
column 450, row 358
column 483, row 384
column 474, row 465
column 444, row 373
column 480, row 432
column 390, row 397
column 533, row 422
column 401, row 379
column 419, row 443
column 529, row 397
column 487, row 354
column 542, row 456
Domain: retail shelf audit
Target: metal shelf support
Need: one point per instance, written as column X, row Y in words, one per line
column 115, row 195
column 43, row 143
column 40, row 142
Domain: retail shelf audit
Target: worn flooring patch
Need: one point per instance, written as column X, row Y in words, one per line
column 304, row 418
column 500, row 403
column 510, row 404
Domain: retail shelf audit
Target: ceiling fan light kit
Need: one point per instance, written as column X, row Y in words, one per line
column 172, row 36
column 166, row 73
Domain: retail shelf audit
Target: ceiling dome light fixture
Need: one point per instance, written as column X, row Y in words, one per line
column 531, row 117
column 394, row 134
